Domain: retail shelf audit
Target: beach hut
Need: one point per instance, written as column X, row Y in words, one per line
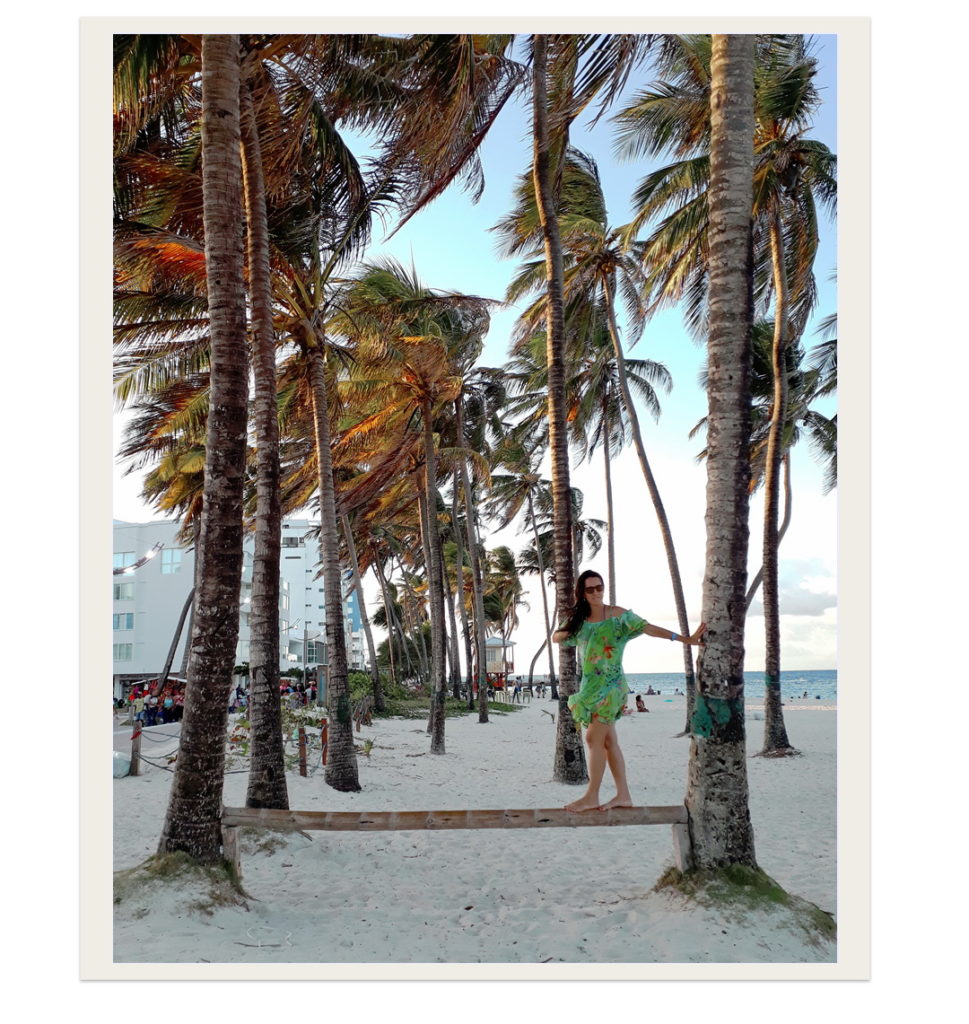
column 499, row 658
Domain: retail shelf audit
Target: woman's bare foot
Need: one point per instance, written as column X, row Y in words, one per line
column 618, row 801
column 585, row 803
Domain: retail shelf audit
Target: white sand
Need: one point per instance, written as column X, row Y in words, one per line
column 493, row 896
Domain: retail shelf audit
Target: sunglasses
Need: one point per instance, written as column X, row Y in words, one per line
column 595, row 590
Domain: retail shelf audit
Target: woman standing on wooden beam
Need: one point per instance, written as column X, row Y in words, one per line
column 600, row 632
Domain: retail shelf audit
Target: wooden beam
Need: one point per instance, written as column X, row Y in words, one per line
column 403, row 821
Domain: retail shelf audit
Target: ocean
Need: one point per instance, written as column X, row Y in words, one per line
column 821, row 684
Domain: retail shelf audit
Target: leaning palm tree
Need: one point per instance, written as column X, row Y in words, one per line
column 717, row 790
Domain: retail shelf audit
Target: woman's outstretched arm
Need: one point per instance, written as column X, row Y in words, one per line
column 667, row 634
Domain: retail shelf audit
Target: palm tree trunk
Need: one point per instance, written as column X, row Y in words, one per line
column 267, row 768
column 788, row 499
column 186, row 608
column 391, row 618
column 378, row 693
column 453, row 650
column 459, row 577
column 569, row 763
column 193, row 819
column 435, row 589
column 187, row 649
column 477, row 583
column 553, row 679
column 611, row 522
column 541, row 584
column 535, row 657
column 341, row 766
column 717, row 791
column 664, row 526
column 775, row 734
column 418, row 627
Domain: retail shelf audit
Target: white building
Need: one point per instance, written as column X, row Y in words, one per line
column 148, row 601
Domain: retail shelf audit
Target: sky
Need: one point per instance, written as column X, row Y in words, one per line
column 452, row 248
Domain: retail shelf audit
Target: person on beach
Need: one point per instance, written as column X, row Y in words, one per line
column 600, row 632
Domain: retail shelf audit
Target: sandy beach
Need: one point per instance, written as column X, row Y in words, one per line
column 531, row 896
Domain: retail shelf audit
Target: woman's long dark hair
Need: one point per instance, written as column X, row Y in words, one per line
column 581, row 610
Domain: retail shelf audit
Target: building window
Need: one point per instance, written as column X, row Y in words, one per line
column 124, row 591
column 124, row 621
column 122, row 652
column 171, row 560
column 122, row 559
column 292, row 542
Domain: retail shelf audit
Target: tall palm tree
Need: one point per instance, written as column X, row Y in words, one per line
column 267, row 769
column 793, row 174
column 717, row 790
column 480, row 401
column 193, row 820
column 597, row 265
column 569, row 762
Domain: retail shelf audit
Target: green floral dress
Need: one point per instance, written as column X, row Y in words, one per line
column 602, row 689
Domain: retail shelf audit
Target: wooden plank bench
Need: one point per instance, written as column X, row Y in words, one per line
column 234, row 818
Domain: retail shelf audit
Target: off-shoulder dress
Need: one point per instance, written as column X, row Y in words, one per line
column 602, row 689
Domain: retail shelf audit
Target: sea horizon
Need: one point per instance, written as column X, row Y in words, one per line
column 818, row 684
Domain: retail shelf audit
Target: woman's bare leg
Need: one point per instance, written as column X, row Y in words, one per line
column 617, row 765
column 595, row 737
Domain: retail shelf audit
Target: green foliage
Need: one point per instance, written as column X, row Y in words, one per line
column 361, row 685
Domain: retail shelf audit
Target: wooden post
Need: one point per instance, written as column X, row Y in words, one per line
column 135, row 768
column 682, row 850
column 324, row 737
column 302, row 751
column 230, row 849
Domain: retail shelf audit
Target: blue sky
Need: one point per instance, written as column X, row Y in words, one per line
column 451, row 246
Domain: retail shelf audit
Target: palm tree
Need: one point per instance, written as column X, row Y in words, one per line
column 513, row 493
column 405, row 338
column 805, row 386
column 596, row 266
column 482, row 394
column 504, row 589
column 378, row 694
column 717, row 791
column 193, row 820
column 267, row 769
column 792, row 175
column 569, row 763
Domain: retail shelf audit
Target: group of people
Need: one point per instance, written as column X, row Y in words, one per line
column 298, row 695
column 151, row 706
